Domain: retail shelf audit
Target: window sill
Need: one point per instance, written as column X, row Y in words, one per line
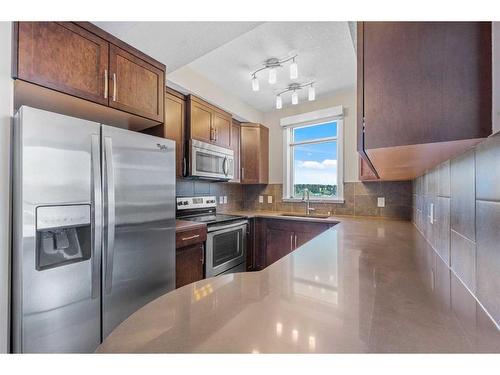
column 316, row 200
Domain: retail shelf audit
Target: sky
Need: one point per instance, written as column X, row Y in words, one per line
column 316, row 163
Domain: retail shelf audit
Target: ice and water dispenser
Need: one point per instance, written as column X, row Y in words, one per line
column 63, row 235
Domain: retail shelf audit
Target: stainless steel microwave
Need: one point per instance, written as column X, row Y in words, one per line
column 210, row 161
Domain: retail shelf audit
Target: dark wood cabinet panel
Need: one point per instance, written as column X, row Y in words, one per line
column 421, row 83
column 366, row 172
column 279, row 237
column 235, row 146
column 189, row 264
column 79, row 59
column 222, row 129
column 135, row 86
column 208, row 123
column 279, row 242
column 254, row 154
column 63, row 57
column 175, row 107
column 200, row 121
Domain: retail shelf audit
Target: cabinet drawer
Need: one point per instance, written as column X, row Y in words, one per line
column 190, row 237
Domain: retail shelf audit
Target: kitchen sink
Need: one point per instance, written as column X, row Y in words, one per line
column 314, row 216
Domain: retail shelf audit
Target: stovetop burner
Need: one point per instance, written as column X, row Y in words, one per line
column 212, row 219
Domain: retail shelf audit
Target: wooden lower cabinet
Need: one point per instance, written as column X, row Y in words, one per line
column 275, row 238
column 189, row 262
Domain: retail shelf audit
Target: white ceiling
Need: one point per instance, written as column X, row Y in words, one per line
column 176, row 43
column 325, row 55
column 227, row 52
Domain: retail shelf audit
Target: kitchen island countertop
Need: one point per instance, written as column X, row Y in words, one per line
column 365, row 285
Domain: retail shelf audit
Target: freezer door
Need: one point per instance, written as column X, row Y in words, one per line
column 56, row 243
column 139, row 222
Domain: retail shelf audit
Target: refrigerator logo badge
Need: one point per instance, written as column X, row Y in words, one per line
column 161, row 147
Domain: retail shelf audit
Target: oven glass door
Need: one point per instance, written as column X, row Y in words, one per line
column 225, row 249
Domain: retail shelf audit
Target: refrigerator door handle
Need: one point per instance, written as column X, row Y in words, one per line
column 109, row 204
column 97, row 216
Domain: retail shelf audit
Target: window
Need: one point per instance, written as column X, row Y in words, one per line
column 313, row 159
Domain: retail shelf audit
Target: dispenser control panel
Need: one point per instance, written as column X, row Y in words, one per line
column 48, row 217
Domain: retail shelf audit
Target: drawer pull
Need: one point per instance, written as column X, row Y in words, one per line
column 190, row 237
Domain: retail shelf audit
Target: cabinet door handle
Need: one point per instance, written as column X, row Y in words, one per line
column 190, row 237
column 105, row 83
column 242, row 173
column 184, row 166
column 295, row 241
column 202, row 255
column 291, row 242
column 114, row 87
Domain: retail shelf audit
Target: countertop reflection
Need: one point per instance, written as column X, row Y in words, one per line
column 365, row 285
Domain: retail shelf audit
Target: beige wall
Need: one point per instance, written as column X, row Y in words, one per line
column 6, row 106
column 272, row 121
column 187, row 81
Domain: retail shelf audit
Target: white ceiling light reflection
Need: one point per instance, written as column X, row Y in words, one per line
column 295, row 335
column 279, row 329
column 312, row 343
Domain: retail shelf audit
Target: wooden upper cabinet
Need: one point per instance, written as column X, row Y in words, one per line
column 175, row 106
column 79, row 59
column 135, row 86
column 208, row 123
column 63, row 57
column 254, row 154
column 200, row 121
column 424, row 94
column 366, row 172
column 222, row 127
column 235, row 146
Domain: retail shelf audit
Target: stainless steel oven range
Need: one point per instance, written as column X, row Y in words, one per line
column 225, row 250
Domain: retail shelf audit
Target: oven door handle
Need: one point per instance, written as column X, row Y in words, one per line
column 229, row 226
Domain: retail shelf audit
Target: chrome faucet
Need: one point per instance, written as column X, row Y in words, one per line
column 306, row 198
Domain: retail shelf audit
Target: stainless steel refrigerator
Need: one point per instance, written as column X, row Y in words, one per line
column 94, row 229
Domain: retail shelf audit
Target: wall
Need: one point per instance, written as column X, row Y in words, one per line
column 6, row 106
column 187, row 81
column 272, row 121
column 360, row 199
column 464, row 196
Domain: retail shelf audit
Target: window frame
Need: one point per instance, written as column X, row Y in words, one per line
column 288, row 171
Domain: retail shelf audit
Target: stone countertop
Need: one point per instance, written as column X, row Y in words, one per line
column 364, row 285
column 183, row 225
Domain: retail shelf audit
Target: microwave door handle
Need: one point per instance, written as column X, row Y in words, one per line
column 109, row 196
column 97, row 215
column 224, row 165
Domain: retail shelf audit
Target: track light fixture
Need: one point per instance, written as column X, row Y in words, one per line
column 272, row 64
column 293, row 88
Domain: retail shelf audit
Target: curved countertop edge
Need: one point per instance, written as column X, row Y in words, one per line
column 180, row 322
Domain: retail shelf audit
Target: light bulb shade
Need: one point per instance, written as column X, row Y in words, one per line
column 295, row 98
column 255, row 84
column 294, row 70
column 272, row 76
column 311, row 93
column 279, row 103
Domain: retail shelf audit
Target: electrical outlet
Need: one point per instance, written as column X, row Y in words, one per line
column 225, row 199
column 269, row 199
column 221, row 199
column 261, row 199
column 381, row 202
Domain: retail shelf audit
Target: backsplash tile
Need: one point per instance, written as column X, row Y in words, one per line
column 466, row 233
column 360, row 199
